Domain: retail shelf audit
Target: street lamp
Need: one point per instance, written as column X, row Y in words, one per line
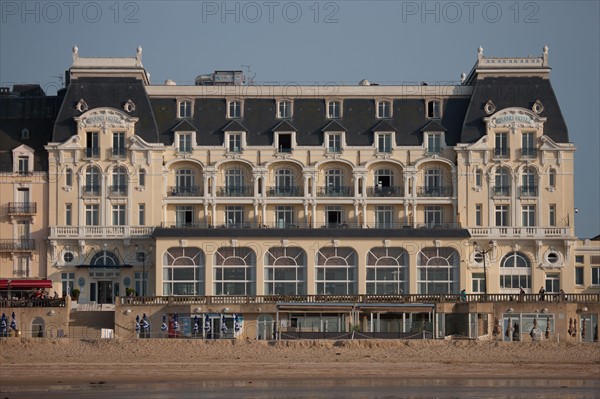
column 141, row 257
column 480, row 255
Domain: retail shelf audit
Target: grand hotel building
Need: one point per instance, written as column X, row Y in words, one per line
column 222, row 188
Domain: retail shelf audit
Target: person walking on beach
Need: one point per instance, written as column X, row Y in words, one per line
column 542, row 293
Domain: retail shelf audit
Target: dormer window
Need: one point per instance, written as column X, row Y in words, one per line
column 285, row 141
column 434, row 109
column 384, row 109
column 384, row 142
column 235, row 141
column 334, row 109
column 185, row 141
column 234, row 109
column 22, row 160
column 284, row 109
column 23, row 165
column 435, row 142
column 334, row 142
column 185, row 109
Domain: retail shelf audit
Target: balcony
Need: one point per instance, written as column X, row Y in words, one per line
column 241, row 191
column 519, row 232
column 441, row 191
column 118, row 190
column 501, row 153
column 389, row 191
column 291, row 191
column 17, row 245
column 91, row 190
column 92, row 152
column 184, row 191
column 22, row 208
column 529, row 191
column 116, row 153
column 502, row 191
column 528, row 152
column 335, row 191
column 100, row 231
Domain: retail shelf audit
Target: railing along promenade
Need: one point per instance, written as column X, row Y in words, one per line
column 353, row 299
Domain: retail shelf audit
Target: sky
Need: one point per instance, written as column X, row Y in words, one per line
column 324, row 43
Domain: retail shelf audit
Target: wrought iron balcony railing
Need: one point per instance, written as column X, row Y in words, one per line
column 439, row 191
column 335, row 191
column 239, row 191
column 501, row 153
column 17, row 245
column 528, row 152
column 92, row 152
column 502, row 191
column 22, row 208
column 91, row 190
column 389, row 191
column 291, row 191
column 118, row 189
column 185, row 191
column 529, row 191
column 117, row 152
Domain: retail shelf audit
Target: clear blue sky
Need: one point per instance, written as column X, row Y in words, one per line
column 322, row 42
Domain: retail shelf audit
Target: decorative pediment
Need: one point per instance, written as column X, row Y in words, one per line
column 105, row 119
column 515, row 118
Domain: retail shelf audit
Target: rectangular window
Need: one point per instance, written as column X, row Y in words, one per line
column 528, row 145
column 22, row 267
column 284, row 109
column 579, row 259
column 92, row 215
column 384, row 109
column 142, row 178
column 501, row 148
column 595, row 275
column 334, row 109
column 68, row 214
column 23, row 165
column 118, row 215
column 334, row 142
column 478, row 178
column 184, row 215
column 528, row 215
column 69, row 177
column 434, row 215
column 92, row 145
column 384, row 142
column 478, row 286
column 434, row 142
column 552, row 283
column 384, row 216
column 579, row 275
column 433, row 109
column 552, row 178
column 234, row 109
column 185, row 109
column 185, row 142
column 68, row 283
column 502, row 215
column 234, row 215
column 284, row 216
column 234, row 142
column 284, row 142
column 552, row 215
column 478, row 215
column 142, row 214
column 118, row 149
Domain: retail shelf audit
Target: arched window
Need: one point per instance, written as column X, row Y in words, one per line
column 515, row 273
column 234, row 271
column 183, row 271
column 387, row 271
column 119, row 180
column 105, row 259
column 336, row 271
column 38, row 328
column 502, row 182
column 529, row 182
column 92, row 181
column 438, row 271
column 285, row 271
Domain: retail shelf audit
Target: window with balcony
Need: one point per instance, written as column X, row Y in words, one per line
column 434, row 109
column 528, row 149
column 334, row 142
column 284, row 184
column 184, row 142
column 434, row 143
column 384, row 216
column 234, row 216
column 118, row 148
column 118, row 215
column 234, row 109
column 434, row 215
column 501, row 149
column 119, row 180
column 284, row 216
column 384, row 184
column 384, row 109
column 384, row 142
column 285, row 271
column 502, row 215
column 184, row 183
column 334, row 180
column 234, row 183
column 185, row 109
column 515, row 273
column 284, row 109
column 92, row 215
column 334, row 109
column 434, row 184
column 184, row 215
column 22, row 267
column 92, row 145
column 529, row 182
column 284, row 142
column 92, row 181
column 234, row 142
column 502, row 182
column 528, row 215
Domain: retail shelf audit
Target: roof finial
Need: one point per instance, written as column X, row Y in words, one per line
column 480, row 50
column 139, row 50
column 75, row 53
column 545, row 49
column 463, row 77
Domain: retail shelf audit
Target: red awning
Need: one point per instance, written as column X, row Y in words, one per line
column 16, row 284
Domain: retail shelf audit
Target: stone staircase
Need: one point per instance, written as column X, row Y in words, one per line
column 89, row 324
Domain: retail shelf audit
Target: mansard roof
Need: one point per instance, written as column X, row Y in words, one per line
column 507, row 92
column 111, row 92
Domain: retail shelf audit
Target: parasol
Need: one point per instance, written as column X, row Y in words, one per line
column 13, row 322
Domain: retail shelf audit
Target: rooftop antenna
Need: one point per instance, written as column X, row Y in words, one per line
column 249, row 75
column 60, row 78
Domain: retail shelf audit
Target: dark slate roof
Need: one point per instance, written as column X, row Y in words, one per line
column 184, row 126
column 513, row 92
column 33, row 113
column 302, row 232
column 284, row 126
column 107, row 92
column 433, row 126
column 309, row 120
column 384, row 126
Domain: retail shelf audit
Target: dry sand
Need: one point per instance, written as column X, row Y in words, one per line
column 25, row 361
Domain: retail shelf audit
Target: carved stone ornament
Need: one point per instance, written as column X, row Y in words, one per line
column 82, row 106
column 515, row 119
column 489, row 107
column 129, row 106
column 106, row 120
column 538, row 108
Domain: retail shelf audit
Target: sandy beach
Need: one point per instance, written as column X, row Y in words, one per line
column 46, row 361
